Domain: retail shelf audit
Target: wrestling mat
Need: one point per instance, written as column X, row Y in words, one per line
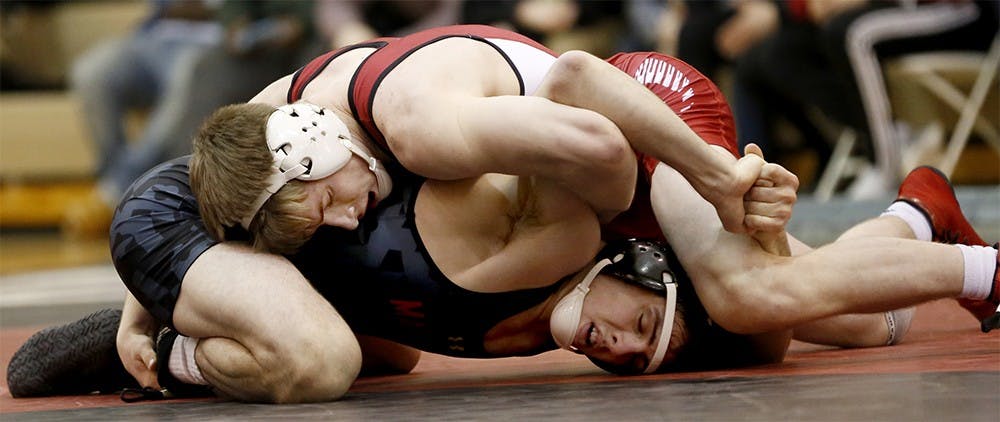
column 945, row 370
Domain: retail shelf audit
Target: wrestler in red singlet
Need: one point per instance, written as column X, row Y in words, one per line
column 691, row 95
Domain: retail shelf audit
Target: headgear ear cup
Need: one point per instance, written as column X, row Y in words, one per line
column 309, row 142
column 308, row 136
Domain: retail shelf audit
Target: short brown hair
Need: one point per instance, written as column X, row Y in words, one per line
column 229, row 169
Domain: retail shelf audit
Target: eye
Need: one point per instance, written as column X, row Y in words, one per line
column 328, row 199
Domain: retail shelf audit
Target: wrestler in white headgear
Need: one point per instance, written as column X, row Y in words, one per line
column 310, row 142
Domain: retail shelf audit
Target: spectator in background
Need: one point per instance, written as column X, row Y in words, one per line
column 777, row 80
column 859, row 39
column 187, row 59
column 827, row 56
column 716, row 33
column 147, row 69
column 654, row 25
column 346, row 22
column 594, row 26
column 27, row 59
column 714, row 36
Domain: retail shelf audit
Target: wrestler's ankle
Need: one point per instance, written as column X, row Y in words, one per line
column 980, row 269
column 182, row 363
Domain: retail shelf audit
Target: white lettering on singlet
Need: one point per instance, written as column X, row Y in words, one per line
column 662, row 73
column 687, row 94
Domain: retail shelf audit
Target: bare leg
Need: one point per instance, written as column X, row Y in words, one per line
column 863, row 330
column 748, row 291
column 265, row 334
column 885, row 226
column 857, row 330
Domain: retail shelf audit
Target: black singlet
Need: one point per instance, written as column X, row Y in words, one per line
column 381, row 279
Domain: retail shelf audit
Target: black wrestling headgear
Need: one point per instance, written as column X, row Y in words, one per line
column 641, row 262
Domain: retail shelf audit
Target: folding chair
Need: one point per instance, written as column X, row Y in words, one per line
column 926, row 69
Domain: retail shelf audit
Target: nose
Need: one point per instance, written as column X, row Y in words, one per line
column 626, row 343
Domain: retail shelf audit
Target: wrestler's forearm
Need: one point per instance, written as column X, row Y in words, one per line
column 135, row 317
column 746, row 290
column 384, row 357
column 134, row 342
column 650, row 126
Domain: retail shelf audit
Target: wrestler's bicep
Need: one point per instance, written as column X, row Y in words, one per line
column 425, row 134
column 687, row 220
column 452, row 136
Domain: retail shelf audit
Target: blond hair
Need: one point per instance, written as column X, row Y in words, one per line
column 229, row 169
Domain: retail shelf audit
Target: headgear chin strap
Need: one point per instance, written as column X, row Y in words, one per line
column 309, row 142
column 637, row 264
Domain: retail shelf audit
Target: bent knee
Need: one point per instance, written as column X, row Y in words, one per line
column 313, row 371
column 305, row 367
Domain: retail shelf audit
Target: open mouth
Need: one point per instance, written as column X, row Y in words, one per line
column 587, row 336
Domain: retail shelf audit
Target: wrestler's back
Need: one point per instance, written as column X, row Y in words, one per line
column 457, row 66
column 423, row 80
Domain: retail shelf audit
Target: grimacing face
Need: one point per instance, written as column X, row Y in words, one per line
column 342, row 198
column 620, row 324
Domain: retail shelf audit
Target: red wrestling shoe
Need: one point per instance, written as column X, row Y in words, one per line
column 927, row 189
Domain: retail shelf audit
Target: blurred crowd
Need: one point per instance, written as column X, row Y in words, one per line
column 792, row 69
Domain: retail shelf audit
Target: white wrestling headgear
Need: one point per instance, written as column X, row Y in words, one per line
column 637, row 262
column 310, row 142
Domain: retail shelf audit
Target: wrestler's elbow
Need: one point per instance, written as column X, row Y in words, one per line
column 597, row 141
column 599, row 155
column 747, row 305
column 569, row 74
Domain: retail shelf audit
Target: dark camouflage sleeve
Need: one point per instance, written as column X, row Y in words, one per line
column 156, row 235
